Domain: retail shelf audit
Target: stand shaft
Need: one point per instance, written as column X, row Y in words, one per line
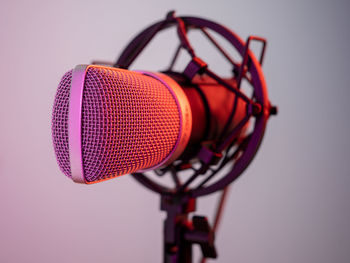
column 180, row 233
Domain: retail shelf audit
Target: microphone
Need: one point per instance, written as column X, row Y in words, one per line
column 111, row 121
column 108, row 121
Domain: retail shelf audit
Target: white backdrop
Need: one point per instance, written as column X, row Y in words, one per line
column 292, row 203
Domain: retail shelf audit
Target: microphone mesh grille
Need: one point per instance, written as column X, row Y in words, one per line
column 60, row 123
column 129, row 122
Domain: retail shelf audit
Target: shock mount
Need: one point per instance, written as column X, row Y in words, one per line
column 181, row 232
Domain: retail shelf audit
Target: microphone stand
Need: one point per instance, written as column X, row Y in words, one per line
column 180, row 233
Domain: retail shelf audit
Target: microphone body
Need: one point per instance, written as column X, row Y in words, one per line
column 108, row 121
column 211, row 105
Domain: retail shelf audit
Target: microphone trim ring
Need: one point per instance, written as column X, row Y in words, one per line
column 74, row 123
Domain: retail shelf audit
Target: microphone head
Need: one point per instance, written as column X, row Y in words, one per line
column 108, row 122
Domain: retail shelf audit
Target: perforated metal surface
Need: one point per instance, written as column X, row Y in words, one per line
column 129, row 122
column 60, row 123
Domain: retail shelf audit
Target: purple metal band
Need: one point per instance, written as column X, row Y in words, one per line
column 74, row 123
column 185, row 118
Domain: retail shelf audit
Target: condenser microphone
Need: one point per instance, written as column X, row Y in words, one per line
column 109, row 121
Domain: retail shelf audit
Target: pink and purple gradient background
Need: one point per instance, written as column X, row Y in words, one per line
column 292, row 203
